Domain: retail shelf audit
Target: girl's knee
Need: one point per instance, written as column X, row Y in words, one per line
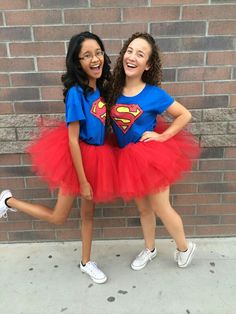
column 58, row 220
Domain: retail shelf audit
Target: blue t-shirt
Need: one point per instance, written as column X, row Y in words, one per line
column 90, row 112
column 132, row 116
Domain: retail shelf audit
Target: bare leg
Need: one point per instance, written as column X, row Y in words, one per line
column 87, row 214
column 58, row 215
column 148, row 222
column 161, row 206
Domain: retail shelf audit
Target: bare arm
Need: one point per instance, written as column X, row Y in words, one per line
column 181, row 117
column 73, row 131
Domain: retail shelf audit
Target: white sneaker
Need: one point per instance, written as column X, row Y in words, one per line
column 3, row 207
column 183, row 259
column 94, row 272
column 143, row 258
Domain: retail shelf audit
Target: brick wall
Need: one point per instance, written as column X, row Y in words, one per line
column 197, row 38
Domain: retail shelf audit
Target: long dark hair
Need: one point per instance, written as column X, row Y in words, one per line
column 152, row 76
column 75, row 75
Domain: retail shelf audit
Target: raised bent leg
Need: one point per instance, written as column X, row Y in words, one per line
column 56, row 215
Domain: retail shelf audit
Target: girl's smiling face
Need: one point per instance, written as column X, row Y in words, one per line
column 91, row 59
column 136, row 57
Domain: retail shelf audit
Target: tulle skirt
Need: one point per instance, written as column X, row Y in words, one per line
column 51, row 160
column 149, row 167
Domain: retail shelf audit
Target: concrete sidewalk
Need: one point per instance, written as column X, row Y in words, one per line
column 44, row 278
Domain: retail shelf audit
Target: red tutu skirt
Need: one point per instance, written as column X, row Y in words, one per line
column 52, row 161
column 148, row 167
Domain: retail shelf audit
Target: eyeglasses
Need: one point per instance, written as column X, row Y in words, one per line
column 88, row 56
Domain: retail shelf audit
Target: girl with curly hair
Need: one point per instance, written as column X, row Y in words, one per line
column 73, row 156
column 152, row 155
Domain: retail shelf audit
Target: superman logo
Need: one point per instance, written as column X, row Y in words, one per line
column 99, row 110
column 125, row 115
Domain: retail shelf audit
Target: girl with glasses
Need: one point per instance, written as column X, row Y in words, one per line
column 74, row 156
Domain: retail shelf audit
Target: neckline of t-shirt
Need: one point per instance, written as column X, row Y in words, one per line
column 139, row 93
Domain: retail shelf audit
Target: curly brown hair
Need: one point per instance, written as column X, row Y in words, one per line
column 152, row 76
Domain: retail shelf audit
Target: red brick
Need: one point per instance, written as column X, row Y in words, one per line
column 3, row 50
column 51, row 64
column 37, row 49
column 31, row 236
column 217, row 165
column 35, row 79
column 221, row 57
column 181, row 2
column 17, row 64
column 220, row 87
column 52, row 93
column 233, row 100
column 204, row 74
column 201, row 220
column 14, row 94
column 85, row 16
column 230, row 152
column 14, row 4
column 230, row 176
column 15, row 33
column 9, row 159
column 198, row 177
column 151, row 14
column 216, row 209
column 16, row 226
column 51, row 33
column 183, row 188
column 69, row 224
column 12, row 183
column 195, row 102
column 208, row 12
column 229, row 198
column 216, row 187
column 6, row 108
column 112, row 46
column 1, row 19
column 120, row 212
column 4, row 80
column 65, row 235
column 3, row 236
column 186, row 209
column 228, row 219
column 216, row 230
column 179, row 59
column 58, row 4
column 118, row 31
column 121, row 233
column 33, row 17
column 35, row 183
column 196, row 199
column 30, row 194
column 181, row 89
column 39, row 107
column 108, row 223
column 222, row 27
column 120, row 3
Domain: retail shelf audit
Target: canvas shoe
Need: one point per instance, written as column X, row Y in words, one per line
column 3, row 207
column 143, row 258
column 183, row 259
column 94, row 272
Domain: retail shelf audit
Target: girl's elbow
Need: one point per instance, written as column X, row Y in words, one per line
column 188, row 116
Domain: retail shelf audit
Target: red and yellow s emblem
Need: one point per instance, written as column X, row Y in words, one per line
column 99, row 110
column 125, row 115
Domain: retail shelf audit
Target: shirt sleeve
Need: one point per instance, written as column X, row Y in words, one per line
column 74, row 101
column 164, row 100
